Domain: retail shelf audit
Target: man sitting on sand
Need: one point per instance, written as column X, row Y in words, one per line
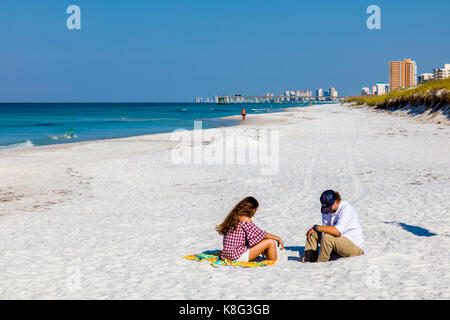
column 340, row 234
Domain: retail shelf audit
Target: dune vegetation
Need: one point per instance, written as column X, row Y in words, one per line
column 433, row 96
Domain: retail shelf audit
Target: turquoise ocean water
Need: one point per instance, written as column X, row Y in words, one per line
column 33, row 124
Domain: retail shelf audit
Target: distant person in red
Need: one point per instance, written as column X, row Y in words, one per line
column 243, row 113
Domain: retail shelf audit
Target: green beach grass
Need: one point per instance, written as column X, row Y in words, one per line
column 433, row 95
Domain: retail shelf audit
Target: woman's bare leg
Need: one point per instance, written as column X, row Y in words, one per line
column 267, row 246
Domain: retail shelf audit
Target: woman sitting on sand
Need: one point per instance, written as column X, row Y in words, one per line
column 243, row 240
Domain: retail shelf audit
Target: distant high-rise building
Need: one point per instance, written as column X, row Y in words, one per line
column 301, row 93
column 374, row 90
column 381, row 89
column 333, row 92
column 402, row 74
column 425, row 77
column 442, row 73
column 319, row 93
column 410, row 73
column 395, row 74
column 365, row 91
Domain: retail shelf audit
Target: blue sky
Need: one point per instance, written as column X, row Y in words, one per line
column 177, row 50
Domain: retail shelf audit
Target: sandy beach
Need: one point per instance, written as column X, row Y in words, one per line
column 112, row 219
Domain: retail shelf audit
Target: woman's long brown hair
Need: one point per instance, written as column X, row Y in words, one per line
column 246, row 207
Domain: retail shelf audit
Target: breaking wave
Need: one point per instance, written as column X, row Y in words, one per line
column 19, row 145
column 65, row 136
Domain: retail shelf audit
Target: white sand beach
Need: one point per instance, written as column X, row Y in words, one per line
column 112, row 219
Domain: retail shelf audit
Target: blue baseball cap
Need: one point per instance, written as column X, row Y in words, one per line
column 327, row 199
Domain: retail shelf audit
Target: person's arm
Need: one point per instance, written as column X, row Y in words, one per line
column 276, row 238
column 326, row 229
column 330, row 230
column 253, row 233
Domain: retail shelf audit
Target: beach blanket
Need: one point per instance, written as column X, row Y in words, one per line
column 213, row 257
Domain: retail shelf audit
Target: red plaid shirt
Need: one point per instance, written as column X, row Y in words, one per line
column 236, row 243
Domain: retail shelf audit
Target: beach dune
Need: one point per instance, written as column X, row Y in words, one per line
column 112, row 219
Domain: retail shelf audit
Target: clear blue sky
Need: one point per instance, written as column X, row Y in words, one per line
column 167, row 50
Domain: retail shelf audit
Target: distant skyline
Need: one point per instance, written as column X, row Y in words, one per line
column 174, row 51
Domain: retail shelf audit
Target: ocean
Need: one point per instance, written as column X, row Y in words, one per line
column 35, row 124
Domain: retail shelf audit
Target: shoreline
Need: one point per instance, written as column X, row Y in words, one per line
column 257, row 119
column 233, row 118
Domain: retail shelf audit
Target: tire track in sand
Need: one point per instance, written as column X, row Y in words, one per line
column 360, row 190
column 310, row 173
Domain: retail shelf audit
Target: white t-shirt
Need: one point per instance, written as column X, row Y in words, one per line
column 346, row 221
